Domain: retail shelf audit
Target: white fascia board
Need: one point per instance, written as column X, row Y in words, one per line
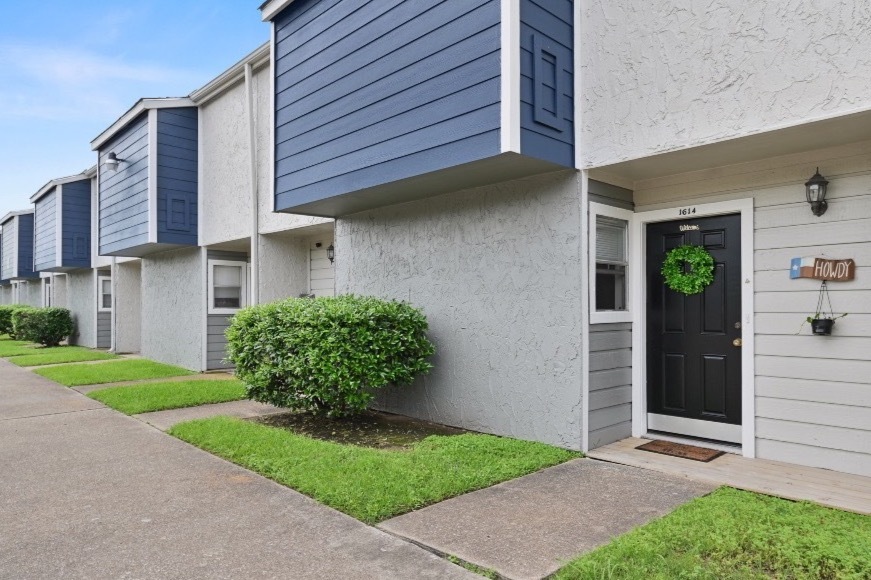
column 12, row 214
column 137, row 109
column 232, row 76
column 270, row 9
column 152, row 176
column 90, row 172
column 58, row 227
column 510, row 77
column 45, row 189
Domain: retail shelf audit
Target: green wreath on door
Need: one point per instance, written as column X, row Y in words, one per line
column 701, row 272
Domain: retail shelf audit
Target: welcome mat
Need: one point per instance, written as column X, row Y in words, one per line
column 680, row 450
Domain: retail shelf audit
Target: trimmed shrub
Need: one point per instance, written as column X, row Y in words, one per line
column 47, row 326
column 6, row 318
column 327, row 355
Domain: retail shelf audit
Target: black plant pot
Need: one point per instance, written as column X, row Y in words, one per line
column 822, row 326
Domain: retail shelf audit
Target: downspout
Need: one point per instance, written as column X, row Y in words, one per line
column 113, row 314
column 255, row 206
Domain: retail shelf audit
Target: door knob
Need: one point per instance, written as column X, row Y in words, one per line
column 737, row 342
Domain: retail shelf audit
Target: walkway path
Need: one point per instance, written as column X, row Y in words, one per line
column 163, row 420
column 90, row 493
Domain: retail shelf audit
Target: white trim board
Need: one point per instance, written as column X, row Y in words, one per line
column 134, row 111
column 152, row 176
column 510, row 76
column 58, row 228
column 639, row 323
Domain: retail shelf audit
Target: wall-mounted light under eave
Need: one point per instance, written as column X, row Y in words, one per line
column 815, row 189
column 112, row 162
column 331, row 253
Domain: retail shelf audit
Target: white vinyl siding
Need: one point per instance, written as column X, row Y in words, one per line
column 322, row 274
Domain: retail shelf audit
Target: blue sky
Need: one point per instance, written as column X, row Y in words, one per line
column 69, row 69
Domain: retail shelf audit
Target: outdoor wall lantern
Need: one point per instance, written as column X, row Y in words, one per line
column 331, row 253
column 112, row 162
column 816, row 193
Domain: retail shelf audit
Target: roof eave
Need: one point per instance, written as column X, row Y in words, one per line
column 136, row 110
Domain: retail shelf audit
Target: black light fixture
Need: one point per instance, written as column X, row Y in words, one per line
column 816, row 193
column 331, row 253
column 112, row 161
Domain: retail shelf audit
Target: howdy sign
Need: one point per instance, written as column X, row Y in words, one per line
column 822, row 269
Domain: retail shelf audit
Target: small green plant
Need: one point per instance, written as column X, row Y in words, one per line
column 6, row 313
column 46, row 326
column 821, row 322
column 327, row 355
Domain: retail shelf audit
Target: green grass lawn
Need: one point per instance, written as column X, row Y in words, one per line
column 59, row 354
column 371, row 484
column 16, row 347
column 110, row 372
column 736, row 534
column 172, row 395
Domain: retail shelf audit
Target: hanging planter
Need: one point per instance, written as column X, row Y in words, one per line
column 822, row 323
column 701, row 272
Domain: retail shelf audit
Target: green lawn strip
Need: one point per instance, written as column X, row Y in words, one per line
column 110, row 372
column 371, row 484
column 736, row 534
column 16, row 348
column 172, row 395
column 60, row 354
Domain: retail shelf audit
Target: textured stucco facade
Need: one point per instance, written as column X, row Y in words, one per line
column 30, row 293
column 82, row 302
column 284, row 262
column 496, row 270
column 667, row 74
column 127, row 282
column 172, row 308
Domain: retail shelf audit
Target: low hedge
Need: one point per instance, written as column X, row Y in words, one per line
column 6, row 318
column 46, row 326
column 327, row 355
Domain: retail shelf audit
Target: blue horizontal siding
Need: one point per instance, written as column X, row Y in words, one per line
column 177, row 142
column 76, row 225
column 124, row 193
column 547, row 131
column 45, row 231
column 25, row 247
column 373, row 92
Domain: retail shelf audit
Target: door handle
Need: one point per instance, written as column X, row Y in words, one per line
column 737, row 342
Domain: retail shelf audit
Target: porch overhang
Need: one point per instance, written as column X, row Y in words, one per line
column 777, row 142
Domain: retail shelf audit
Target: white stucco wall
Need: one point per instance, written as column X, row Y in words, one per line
column 82, row 302
column 59, row 291
column 496, row 272
column 667, row 74
column 226, row 172
column 30, row 293
column 813, row 401
column 6, row 294
column 127, row 277
column 283, row 267
column 172, row 307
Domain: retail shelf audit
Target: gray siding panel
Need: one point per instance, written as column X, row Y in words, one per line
column 104, row 329
column 25, row 247
column 612, row 195
column 124, row 193
column 7, row 257
column 367, row 94
column 45, row 231
column 610, row 416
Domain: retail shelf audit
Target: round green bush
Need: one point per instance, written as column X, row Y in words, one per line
column 327, row 355
column 6, row 312
column 46, row 326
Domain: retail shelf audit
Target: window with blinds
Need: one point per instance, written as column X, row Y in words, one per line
column 611, row 263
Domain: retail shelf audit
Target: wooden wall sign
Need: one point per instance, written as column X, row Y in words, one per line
column 823, row 269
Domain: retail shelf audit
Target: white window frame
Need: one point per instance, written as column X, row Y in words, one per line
column 243, row 299
column 100, row 307
column 47, row 289
column 609, row 316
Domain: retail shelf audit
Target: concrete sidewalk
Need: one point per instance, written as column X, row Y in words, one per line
column 86, row 492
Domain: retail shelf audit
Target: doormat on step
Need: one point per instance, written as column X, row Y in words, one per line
column 681, row 450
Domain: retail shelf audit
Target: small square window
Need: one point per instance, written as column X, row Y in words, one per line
column 104, row 295
column 227, row 286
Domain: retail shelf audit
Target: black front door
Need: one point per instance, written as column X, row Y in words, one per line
column 693, row 363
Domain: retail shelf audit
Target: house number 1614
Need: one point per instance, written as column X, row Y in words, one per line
column 686, row 211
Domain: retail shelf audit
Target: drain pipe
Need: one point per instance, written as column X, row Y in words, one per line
column 255, row 206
